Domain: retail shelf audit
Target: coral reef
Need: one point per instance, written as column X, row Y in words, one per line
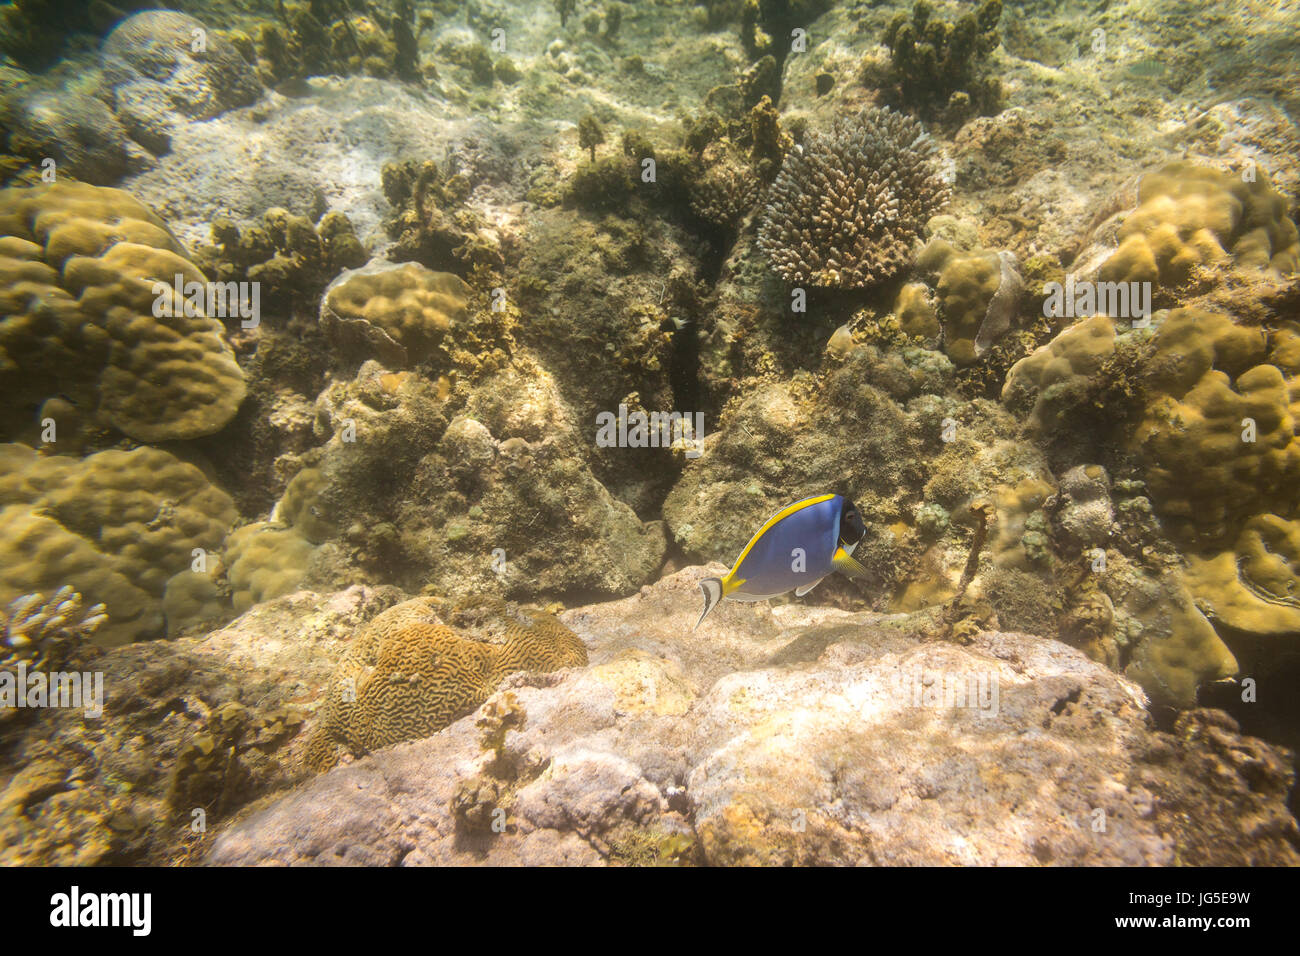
column 115, row 525
column 401, row 314
column 44, row 632
column 72, row 128
column 408, row 674
column 1252, row 587
column 939, row 67
column 88, row 279
column 726, row 192
column 846, row 210
column 776, row 761
column 1059, row 376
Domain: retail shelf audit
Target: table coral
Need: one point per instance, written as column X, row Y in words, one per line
column 78, row 270
column 409, row 675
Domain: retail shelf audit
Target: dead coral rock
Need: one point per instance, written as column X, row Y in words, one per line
column 187, row 725
column 165, row 67
column 812, row 736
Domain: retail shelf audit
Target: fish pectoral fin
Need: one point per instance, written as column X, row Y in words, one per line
column 805, row 588
column 712, row 588
column 848, row 565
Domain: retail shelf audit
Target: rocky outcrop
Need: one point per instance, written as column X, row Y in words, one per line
column 795, row 735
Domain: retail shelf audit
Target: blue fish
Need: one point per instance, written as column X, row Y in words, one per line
column 793, row 551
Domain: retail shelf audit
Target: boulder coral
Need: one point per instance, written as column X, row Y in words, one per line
column 977, row 294
column 400, row 314
column 1254, row 586
column 87, row 278
column 1060, row 375
column 1218, row 437
column 407, row 674
column 115, row 525
column 1189, row 216
column 476, row 486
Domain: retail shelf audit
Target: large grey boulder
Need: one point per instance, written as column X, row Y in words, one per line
column 795, row 735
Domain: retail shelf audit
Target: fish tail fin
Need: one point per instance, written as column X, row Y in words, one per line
column 712, row 588
column 848, row 565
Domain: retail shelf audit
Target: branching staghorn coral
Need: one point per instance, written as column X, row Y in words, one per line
column 847, row 209
column 40, row 632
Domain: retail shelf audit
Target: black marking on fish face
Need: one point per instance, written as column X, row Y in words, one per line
column 852, row 528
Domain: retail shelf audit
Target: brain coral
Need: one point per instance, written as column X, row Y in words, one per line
column 78, row 265
column 409, row 675
column 847, row 208
column 1189, row 215
column 402, row 314
column 115, row 526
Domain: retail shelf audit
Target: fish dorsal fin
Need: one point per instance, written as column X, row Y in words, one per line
column 712, row 588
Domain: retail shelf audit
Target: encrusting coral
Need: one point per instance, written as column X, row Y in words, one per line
column 846, row 209
column 87, row 281
column 408, row 674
